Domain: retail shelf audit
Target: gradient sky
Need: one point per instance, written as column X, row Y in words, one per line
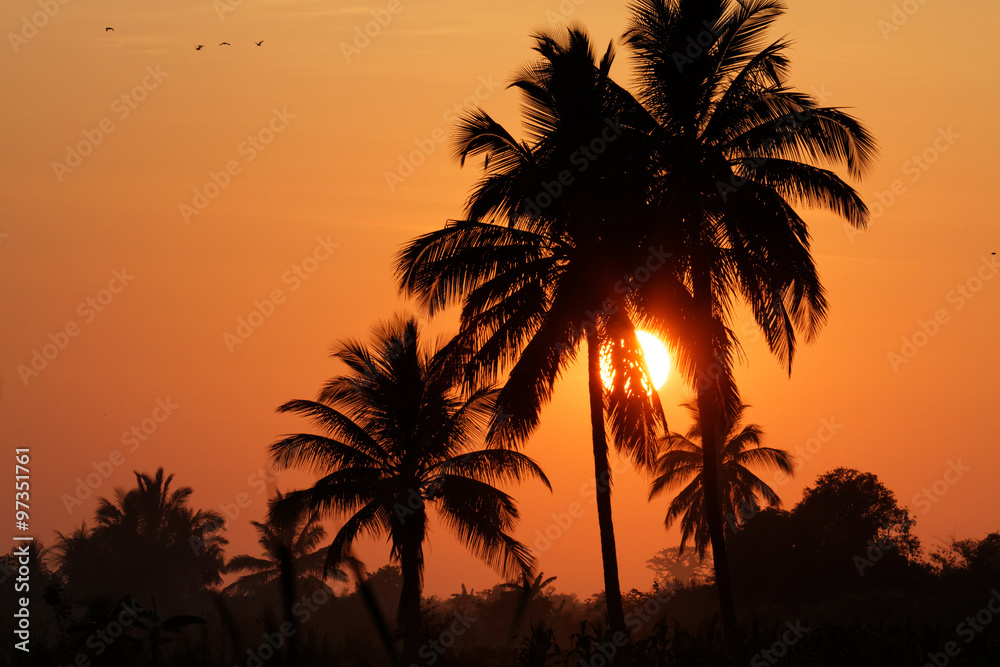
column 331, row 122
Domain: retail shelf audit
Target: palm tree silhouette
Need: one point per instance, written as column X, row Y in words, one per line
column 683, row 457
column 398, row 436
column 292, row 560
column 527, row 590
column 147, row 542
column 734, row 146
column 292, row 545
column 78, row 559
column 539, row 266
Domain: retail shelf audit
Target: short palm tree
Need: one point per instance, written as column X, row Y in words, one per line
column 398, row 437
column 291, row 546
column 736, row 147
column 683, row 459
column 527, row 590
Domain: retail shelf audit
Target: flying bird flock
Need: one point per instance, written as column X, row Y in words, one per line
column 197, row 47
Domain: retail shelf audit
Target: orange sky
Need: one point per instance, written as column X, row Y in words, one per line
column 331, row 123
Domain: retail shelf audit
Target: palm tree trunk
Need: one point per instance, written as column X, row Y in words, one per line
column 707, row 380
column 408, row 615
column 602, row 472
column 287, row 576
column 713, row 507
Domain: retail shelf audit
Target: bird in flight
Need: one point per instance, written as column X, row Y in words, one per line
column 259, row 43
column 107, row 29
column 225, row 44
column 199, row 47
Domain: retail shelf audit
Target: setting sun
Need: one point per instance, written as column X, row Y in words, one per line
column 657, row 357
column 655, row 353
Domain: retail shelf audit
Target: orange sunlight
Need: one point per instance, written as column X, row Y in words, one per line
column 655, row 353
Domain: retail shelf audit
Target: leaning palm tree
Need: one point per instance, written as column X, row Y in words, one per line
column 291, row 546
column 398, row 437
column 736, row 148
column 541, row 262
column 683, row 459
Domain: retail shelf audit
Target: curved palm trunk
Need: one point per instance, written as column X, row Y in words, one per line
column 708, row 409
column 408, row 616
column 602, row 473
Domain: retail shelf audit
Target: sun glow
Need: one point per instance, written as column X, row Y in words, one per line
column 656, row 356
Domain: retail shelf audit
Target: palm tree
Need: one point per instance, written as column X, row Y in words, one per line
column 78, row 559
column 539, row 261
column 291, row 546
column 291, row 559
column 148, row 543
column 397, row 437
column 527, row 590
column 683, row 457
column 735, row 148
